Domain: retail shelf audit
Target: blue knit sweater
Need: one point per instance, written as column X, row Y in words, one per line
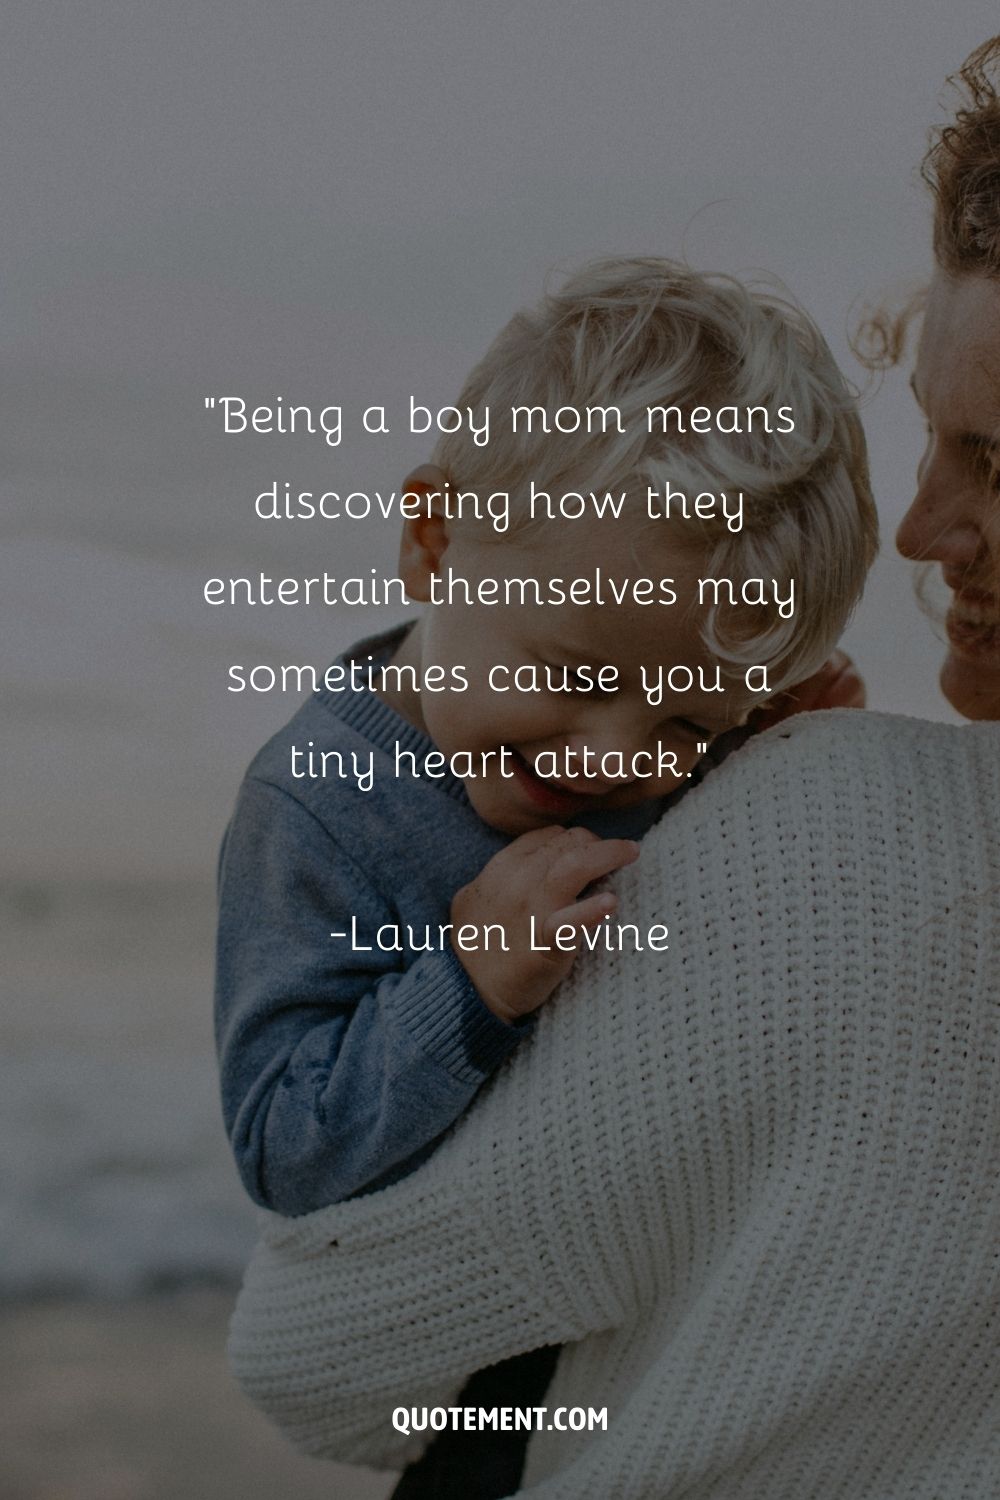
column 340, row 1068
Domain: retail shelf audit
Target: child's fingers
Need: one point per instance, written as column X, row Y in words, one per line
column 551, row 845
column 843, row 687
column 837, row 684
column 574, row 865
column 539, row 838
column 585, row 914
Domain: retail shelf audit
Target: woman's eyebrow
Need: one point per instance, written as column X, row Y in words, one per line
column 975, row 442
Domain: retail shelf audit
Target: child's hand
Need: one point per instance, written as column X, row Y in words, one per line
column 837, row 684
column 535, row 885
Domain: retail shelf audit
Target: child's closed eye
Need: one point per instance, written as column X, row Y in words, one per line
column 582, row 680
column 696, row 731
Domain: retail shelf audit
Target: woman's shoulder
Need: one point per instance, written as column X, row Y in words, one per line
column 856, row 742
column 851, row 777
column 868, row 725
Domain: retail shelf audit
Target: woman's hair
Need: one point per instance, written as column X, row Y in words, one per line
column 625, row 336
column 961, row 166
column 962, row 169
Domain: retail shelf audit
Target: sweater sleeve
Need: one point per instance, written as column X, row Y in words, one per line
column 339, row 1068
column 396, row 1298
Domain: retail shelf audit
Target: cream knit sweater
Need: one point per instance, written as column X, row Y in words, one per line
column 753, row 1183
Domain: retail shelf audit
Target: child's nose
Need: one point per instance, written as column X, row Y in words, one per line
column 608, row 735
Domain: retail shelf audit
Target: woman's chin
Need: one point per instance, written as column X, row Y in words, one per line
column 972, row 686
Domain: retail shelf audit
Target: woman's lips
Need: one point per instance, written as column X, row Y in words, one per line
column 973, row 625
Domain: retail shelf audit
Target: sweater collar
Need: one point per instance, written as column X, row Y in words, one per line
column 365, row 712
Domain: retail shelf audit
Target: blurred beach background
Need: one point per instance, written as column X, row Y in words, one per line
column 330, row 204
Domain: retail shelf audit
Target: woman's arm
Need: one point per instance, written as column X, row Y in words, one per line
column 395, row 1298
column 650, row 1105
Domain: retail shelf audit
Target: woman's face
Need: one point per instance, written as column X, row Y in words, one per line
column 955, row 516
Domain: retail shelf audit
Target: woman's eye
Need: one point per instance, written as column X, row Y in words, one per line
column 989, row 473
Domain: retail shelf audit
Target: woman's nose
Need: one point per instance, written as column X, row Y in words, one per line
column 941, row 524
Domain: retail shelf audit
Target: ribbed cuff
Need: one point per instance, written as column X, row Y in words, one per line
column 442, row 1010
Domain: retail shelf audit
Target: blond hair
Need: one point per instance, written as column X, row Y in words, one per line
column 636, row 334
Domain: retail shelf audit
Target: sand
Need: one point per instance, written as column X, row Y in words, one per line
column 133, row 1401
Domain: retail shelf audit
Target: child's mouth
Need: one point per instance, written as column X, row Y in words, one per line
column 547, row 795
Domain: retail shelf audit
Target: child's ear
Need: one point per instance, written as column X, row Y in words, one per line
column 424, row 537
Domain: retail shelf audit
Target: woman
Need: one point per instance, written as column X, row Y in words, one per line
column 955, row 518
column 751, row 1182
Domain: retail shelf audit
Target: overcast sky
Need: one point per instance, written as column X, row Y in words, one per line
column 344, row 203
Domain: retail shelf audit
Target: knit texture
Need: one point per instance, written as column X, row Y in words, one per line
column 340, row 1064
column 752, row 1181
